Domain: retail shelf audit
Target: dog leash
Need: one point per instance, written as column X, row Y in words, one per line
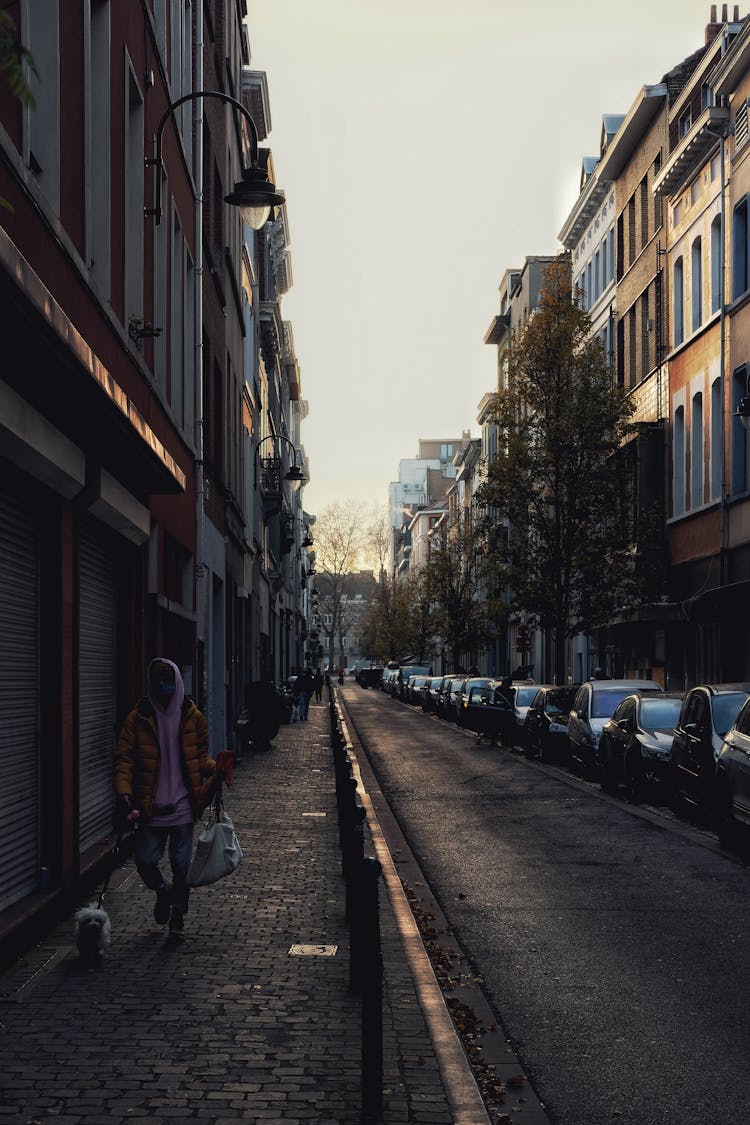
column 114, row 853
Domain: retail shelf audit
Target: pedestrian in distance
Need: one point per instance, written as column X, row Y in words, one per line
column 341, row 677
column 318, row 685
column 306, row 684
column 164, row 778
column 327, row 678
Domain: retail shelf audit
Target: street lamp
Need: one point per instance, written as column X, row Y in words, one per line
column 294, row 475
column 254, row 194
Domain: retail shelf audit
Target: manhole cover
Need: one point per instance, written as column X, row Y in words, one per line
column 313, row 950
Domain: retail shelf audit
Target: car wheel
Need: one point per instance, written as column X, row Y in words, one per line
column 634, row 778
column 726, row 825
column 606, row 780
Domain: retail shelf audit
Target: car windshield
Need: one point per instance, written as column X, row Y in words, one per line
column 603, row 703
column 726, row 708
column 660, row 714
column 525, row 695
column 559, row 702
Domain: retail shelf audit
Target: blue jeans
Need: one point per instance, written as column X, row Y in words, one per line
column 149, row 850
column 304, row 703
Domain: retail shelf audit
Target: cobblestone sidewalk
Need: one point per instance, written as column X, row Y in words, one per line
column 230, row 1025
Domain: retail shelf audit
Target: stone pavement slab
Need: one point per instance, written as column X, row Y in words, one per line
column 229, row 1026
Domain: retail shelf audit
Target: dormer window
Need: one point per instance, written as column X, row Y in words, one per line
column 685, row 123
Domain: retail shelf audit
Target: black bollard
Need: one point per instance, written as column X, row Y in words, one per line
column 351, row 863
column 372, row 992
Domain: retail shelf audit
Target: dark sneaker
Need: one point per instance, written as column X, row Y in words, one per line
column 163, row 904
column 177, row 924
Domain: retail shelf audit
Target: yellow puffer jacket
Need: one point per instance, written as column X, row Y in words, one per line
column 138, row 756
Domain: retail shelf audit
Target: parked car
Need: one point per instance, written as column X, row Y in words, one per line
column 732, row 790
column 487, row 711
column 453, row 698
column 441, row 706
column 462, row 694
column 403, row 674
column 636, row 743
column 428, row 698
column 593, row 705
column 413, row 690
column 547, row 723
column 388, row 680
column 436, row 686
column 521, row 694
column 708, row 712
column 370, row 677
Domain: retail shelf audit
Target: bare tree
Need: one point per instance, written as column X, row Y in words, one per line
column 339, row 540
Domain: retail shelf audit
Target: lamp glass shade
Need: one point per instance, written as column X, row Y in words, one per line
column 295, row 477
column 256, row 216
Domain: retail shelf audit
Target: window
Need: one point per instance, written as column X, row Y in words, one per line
column 133, row 198
column 446, row 452
column 685, row 123
column 644, row 211
column 176, row 327
column 597, row 282
column 678, row 312
column 678, row 462
column 740, row 279
column 43, row 122
column 740, row 127
column 716, row 439
column 696, row 451
column 739, row 434
column 632, row 348
column 98, row 197
column 631, row 231
column 696, row 284
column 716, row 264
column 645, row 336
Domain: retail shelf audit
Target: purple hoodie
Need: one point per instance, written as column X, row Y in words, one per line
column 171, row 788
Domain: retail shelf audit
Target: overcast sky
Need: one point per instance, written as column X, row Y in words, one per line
column 425, row 146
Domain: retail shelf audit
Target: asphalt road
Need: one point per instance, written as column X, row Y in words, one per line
column 614, row 947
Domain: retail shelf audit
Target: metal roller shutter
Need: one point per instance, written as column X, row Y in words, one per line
column 96, row 685
column 19, row 701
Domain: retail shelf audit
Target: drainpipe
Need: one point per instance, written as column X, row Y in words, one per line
column 201, row 572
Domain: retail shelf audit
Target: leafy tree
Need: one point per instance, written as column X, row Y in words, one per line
column 560, row 425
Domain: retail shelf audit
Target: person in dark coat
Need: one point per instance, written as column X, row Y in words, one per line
column 318, row 685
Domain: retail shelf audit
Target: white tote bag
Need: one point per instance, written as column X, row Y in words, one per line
column 217, row 853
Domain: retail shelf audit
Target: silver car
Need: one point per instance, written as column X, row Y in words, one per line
column 594, row 704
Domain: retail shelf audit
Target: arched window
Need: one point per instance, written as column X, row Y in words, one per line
column 739, row 434
column 678, row 462
column 696, row 451
column 717, row 430
column 716, row 264
column 678, row 304
column 696, row 284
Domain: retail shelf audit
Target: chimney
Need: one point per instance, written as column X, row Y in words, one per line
column 736, row 17
column 713, row 27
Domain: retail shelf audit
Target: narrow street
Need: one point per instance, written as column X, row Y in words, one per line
column 612, row 942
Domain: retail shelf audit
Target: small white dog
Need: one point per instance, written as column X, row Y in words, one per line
column 93, row 933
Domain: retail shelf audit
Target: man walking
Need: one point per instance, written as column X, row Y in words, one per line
column 164, row 778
